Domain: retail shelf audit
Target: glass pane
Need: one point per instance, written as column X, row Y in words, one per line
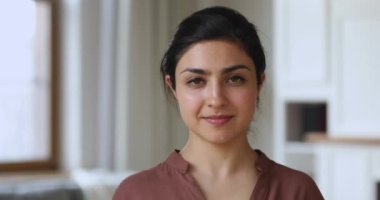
column 24, row 80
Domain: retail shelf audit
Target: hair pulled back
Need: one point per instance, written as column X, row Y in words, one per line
column 210, row 24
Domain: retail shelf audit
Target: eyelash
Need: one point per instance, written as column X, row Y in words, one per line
column 195, row 81
column 236, row 80
column 233, row 80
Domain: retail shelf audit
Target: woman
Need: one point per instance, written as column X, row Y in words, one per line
column 214, row 68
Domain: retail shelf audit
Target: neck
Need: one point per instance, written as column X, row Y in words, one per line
column 219, row 160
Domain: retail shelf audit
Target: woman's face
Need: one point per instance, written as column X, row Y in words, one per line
column 216, row 90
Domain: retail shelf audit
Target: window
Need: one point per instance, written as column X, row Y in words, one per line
column 28, row 85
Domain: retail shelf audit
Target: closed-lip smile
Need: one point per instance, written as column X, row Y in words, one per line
column 218, row 119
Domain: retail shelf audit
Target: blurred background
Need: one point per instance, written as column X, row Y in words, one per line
column 82, row 104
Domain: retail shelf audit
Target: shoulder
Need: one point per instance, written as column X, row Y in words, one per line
column 297, row 184
column 165, row 181
column 134, row 186
column 284, row 174
column 288, row 183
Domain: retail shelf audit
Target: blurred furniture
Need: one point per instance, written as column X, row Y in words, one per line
column 326, row 74
column 41, row 190
column 348, row 169
column 326, row 78
column 77, row 185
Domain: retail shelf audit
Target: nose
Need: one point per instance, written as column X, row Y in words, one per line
column 216, row 96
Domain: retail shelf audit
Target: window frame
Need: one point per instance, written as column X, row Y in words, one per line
column 52, row 162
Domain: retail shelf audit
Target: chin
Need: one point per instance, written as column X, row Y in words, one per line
column 220, row 138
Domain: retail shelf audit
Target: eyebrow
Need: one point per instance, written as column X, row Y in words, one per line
column 224, row 71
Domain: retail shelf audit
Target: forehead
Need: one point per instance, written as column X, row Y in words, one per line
column 214, row 55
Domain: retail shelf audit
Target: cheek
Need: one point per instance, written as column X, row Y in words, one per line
column 189, row 104
column 245, row 100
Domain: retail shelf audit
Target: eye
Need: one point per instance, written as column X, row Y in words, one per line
column 235, row 80
column 195, row 82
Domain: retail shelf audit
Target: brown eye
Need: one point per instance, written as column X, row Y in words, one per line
column 195, row 82
column 235, row 80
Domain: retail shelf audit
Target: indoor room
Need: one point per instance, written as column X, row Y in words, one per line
column 83, row 104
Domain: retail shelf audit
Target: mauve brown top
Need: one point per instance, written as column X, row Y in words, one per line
column 172, row 180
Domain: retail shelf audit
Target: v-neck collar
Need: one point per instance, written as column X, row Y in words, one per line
column 263, row 164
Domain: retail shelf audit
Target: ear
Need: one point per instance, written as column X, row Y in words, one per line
column 262, row 77
column 169, row 83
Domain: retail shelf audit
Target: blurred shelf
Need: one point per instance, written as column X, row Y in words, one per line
column 327, row 138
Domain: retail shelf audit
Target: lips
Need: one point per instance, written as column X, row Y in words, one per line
column 218, row 119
